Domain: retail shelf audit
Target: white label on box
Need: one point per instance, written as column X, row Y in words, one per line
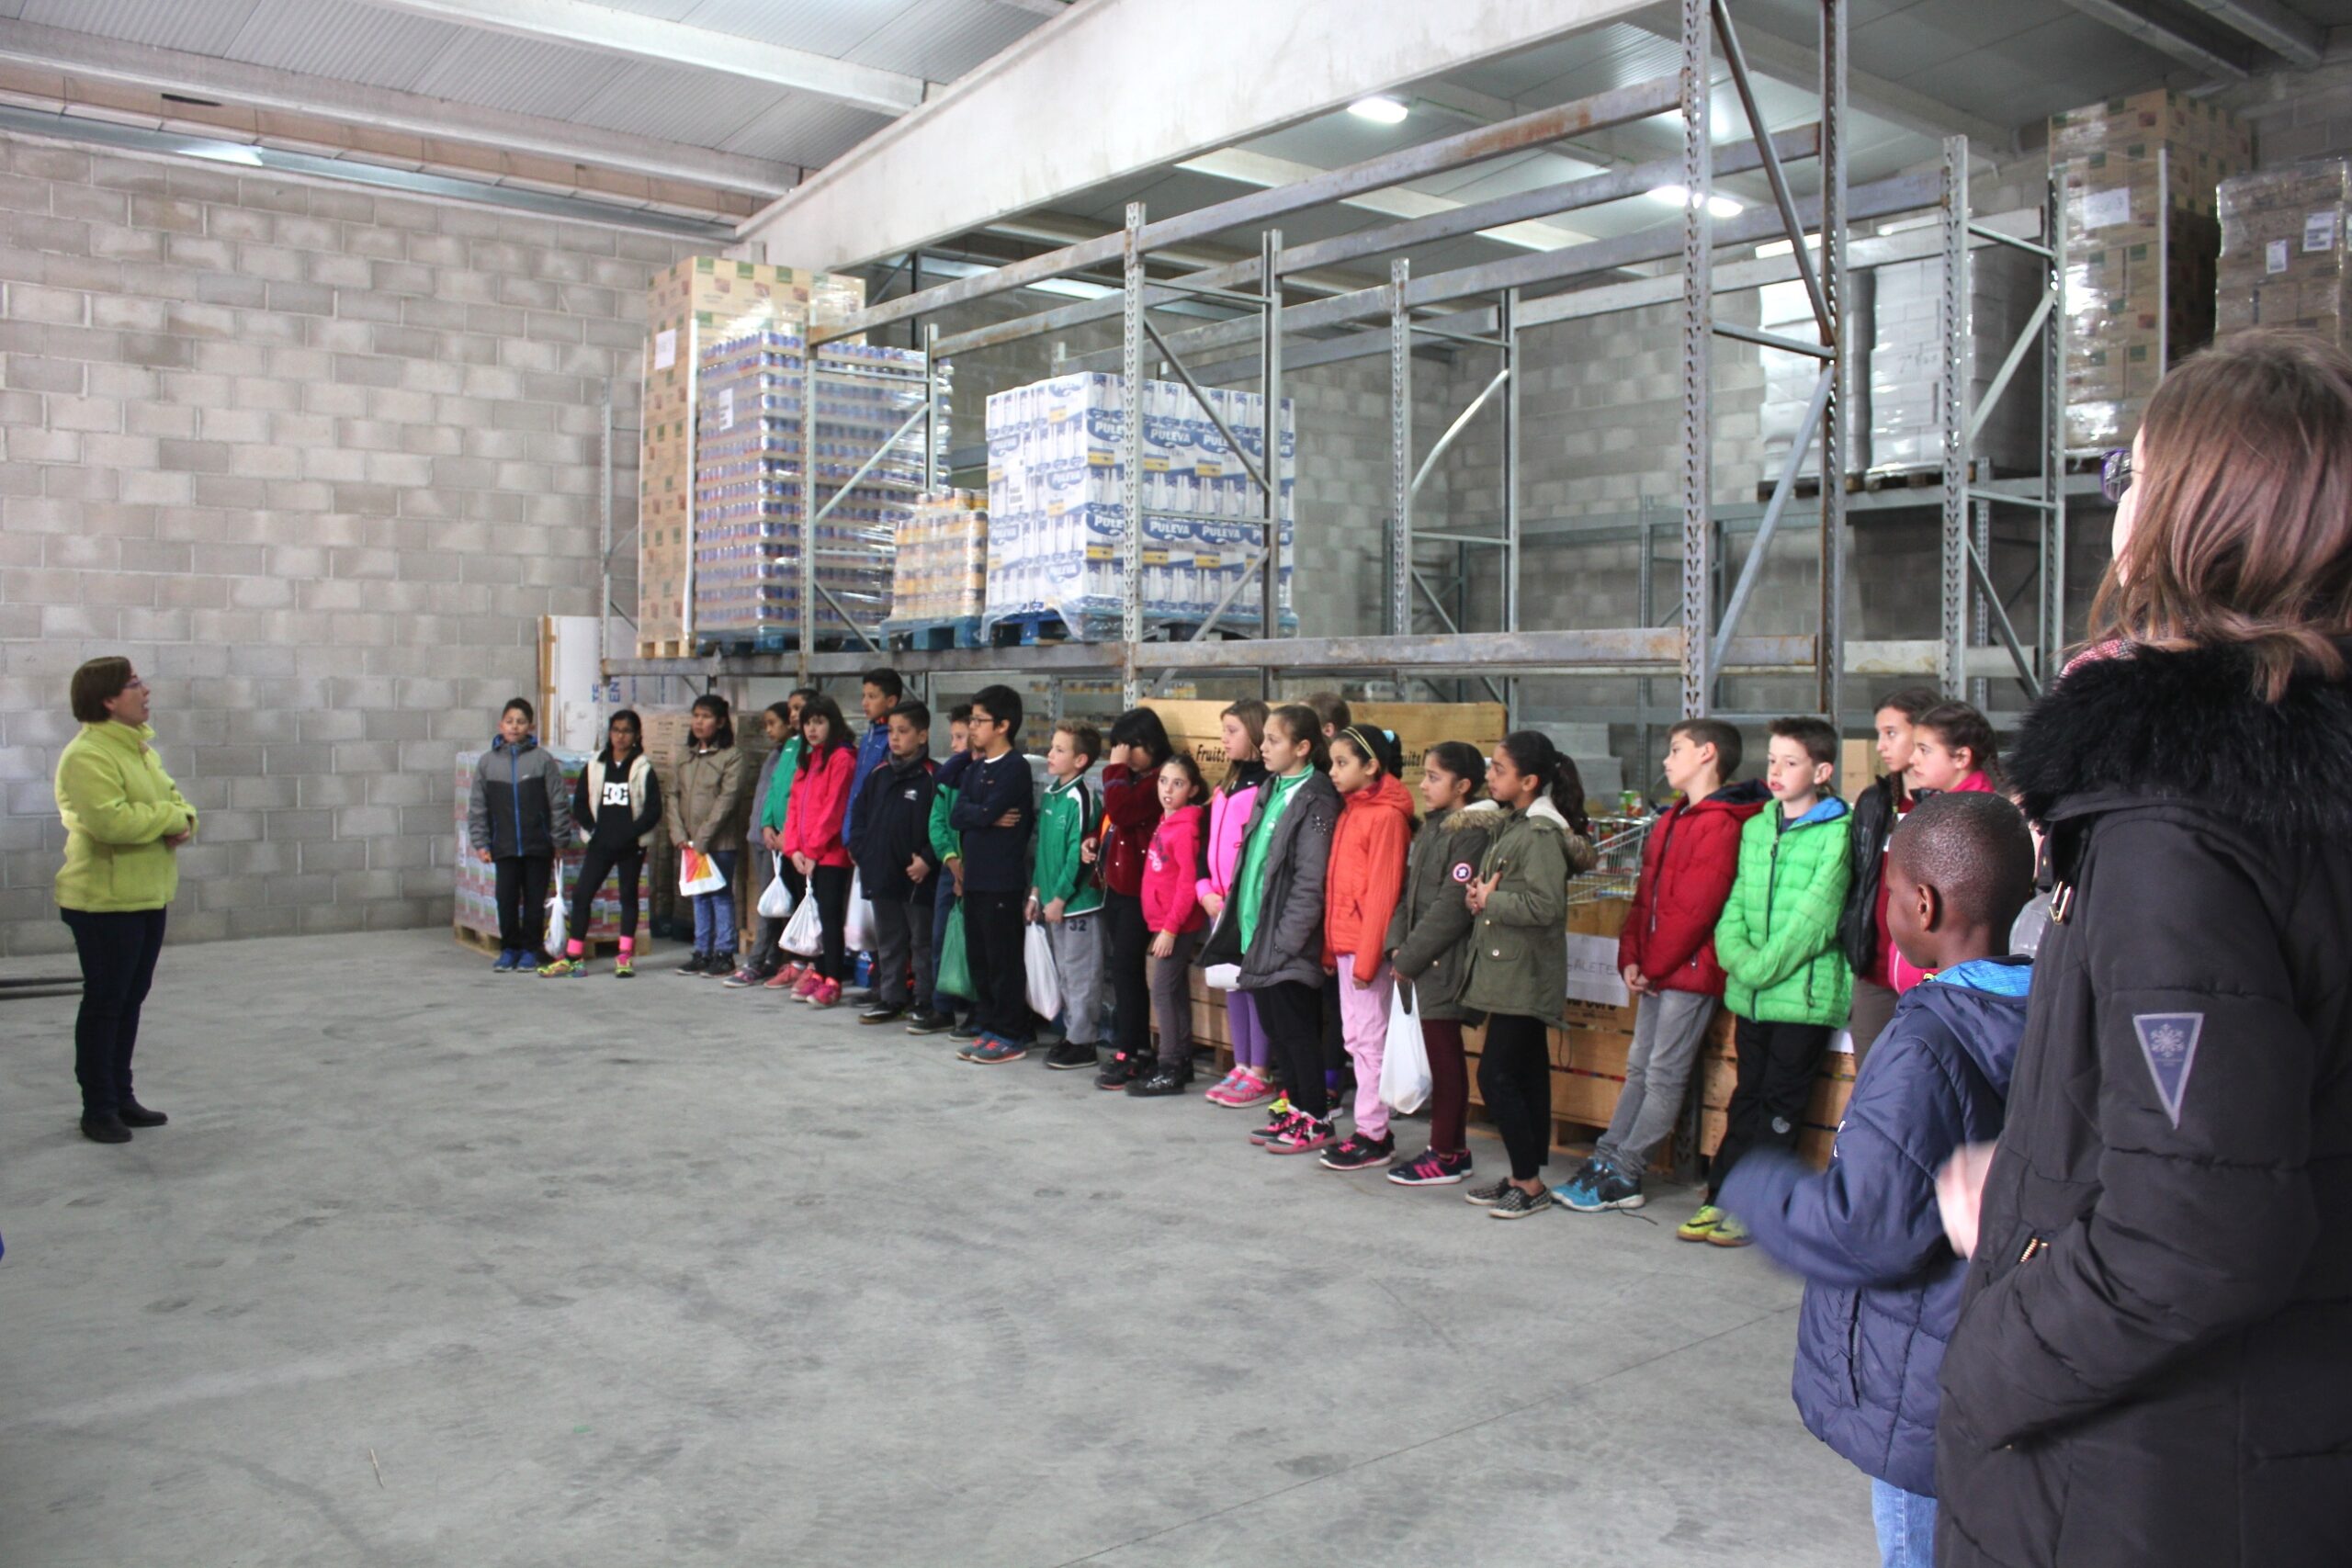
column 2105, row 209
column 1594, row 974
column 2318, row 230
column 726, row 408
column 665, row 349
column 2274, row 256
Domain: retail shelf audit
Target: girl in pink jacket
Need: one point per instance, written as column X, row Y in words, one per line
column 1172, row 912
column 1250, row 1082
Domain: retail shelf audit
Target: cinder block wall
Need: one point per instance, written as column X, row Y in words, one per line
column 316, row 460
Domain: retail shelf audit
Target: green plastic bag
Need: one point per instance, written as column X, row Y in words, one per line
column 955, row 976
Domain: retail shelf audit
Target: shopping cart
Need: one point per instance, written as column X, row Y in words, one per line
column 1617, row 840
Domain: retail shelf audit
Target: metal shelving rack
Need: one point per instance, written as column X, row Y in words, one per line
column 1490, row 305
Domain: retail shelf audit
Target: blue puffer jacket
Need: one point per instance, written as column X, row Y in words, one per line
column 1883, row 1286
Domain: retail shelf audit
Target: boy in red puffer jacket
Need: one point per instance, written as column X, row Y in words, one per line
column 1667, row 956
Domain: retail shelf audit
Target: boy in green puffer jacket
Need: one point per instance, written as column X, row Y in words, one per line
column 1786, row 981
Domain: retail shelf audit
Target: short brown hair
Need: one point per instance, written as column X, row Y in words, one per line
column 1084, row 738
column 1820, row 741
column 1712, row 732
column 2244, row 532
column 98, row 683
column 1330, row 708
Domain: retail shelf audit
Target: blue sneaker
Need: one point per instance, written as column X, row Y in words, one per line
column 994, row 1049
column 508, row 961
column 1597, row 1189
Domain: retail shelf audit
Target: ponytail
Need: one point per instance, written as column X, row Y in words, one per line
column 1376, row 746
column 1531, row 751
column 1961, row 727
column 1300, row 723
column 1460, row 759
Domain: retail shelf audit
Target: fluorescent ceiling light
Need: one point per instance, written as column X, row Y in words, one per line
column 1379, row 110
column 1719, row 205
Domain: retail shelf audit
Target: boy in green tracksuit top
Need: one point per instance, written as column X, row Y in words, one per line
column 1786, row 981
column 1063, row 893
column 937, row 1011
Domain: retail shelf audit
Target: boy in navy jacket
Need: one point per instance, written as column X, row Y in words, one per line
column 1884, row 1285
column 895, row 864
column 996, row 812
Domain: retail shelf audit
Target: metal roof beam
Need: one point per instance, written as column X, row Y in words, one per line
column 1074, row 106
column 2133, row 22
column 411, row 114
column 607, row 31
column 2278, row 28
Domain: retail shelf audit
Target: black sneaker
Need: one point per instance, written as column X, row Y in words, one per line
column 696, row 963
column 1356, row 1152
column 964, row 1030
column 1067, row 1057
column 137, row 1115
column 921, row 1021
column 1517, row 1203
column 1118, row 1072
column 1167, row 1077
column 881, row 1015
column 1487, row 1197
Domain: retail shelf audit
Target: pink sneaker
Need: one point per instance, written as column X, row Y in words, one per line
column 810, row 984
column 1224, row 1086
column 784, row 978
column 1304, row 1136
column 1248, row 1089
column 828, row 994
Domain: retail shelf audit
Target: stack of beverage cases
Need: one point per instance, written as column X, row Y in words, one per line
column 1329, row 901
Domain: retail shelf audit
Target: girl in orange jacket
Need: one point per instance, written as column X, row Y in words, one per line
column 1368, row 851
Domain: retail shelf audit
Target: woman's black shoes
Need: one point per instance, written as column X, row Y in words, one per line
column 105, row 1130
column 137, row 1115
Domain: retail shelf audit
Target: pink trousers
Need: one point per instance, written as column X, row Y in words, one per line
column 1363, row 1023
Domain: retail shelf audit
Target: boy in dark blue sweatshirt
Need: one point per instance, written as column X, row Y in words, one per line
column 1883, row 1286
column 996, row 812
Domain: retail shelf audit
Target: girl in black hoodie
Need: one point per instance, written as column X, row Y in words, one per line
column 617, row 803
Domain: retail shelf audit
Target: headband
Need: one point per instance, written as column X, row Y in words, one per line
column 1364, row 742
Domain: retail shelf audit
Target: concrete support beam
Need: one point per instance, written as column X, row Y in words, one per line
column 411, row 114
column 607, row 31
column 2134, row 23
column 2287, row 33
column 1097, row 96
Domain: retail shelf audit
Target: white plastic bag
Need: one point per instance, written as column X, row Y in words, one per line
column 1405, row 1068
column 1044, row 980
column 857, row 926
column 1223, row 976
column 558, row 932
column 775, row 902
column 698, row 874
column 805, row 934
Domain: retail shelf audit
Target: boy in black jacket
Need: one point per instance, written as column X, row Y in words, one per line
column 895, row 864
column 996, row 813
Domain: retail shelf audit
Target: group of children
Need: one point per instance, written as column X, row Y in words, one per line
column 1309, row 887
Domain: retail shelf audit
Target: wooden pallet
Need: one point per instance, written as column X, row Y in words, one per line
column 665, row 648
column 929, row 636
column 487, row 942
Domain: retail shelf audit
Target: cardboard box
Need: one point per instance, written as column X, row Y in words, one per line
column 2283, row 249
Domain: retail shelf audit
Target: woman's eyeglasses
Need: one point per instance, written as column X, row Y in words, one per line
column 2115, row 473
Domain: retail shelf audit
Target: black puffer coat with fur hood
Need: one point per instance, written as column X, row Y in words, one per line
column 2153, row 1365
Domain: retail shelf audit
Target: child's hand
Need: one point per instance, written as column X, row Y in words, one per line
column 1054, row 911
column 1086, row 852
column 917, row 869
column 804, row 865
column 1214, row 903
column 1960, row 1190
column 1011, row 818
column 482, row 855
column 957, row 867
column 1476, row 895
column 1636, row 980
column 1029, row 910
column 1164, row 945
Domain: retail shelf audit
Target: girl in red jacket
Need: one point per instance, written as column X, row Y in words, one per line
column 1138, row 745
column 1171, row 909
column 812, row 838
column 1368, row 851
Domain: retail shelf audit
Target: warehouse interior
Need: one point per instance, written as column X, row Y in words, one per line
column 366, row 363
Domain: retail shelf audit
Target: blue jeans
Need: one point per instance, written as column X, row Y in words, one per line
column 715, row 912
column 1906, row 1525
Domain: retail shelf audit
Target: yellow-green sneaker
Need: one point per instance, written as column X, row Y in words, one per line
column 557, row 969
column 1702, row 1225
column 1729, row 1232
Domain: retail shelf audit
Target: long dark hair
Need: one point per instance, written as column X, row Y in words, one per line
column 1300, row 723
column 715, row 705
column 1183, row 762
column 1376, row 746
column 1959, row 727
column 1141, row 727
column 836, row 727
column 1458, row 759
column 2244, row 528
column 636, row 728
column 1531, row 751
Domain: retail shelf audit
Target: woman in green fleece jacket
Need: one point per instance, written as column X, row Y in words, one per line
column 125, row 821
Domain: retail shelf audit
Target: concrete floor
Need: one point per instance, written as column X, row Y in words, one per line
column 603, row 1273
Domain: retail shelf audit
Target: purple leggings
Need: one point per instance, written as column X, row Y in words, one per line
column 1248, row 1036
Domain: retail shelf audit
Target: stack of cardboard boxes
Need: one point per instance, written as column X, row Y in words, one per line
column 942, row 561
column 2283, row 249
column 701, row 300
column 2137, row 179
